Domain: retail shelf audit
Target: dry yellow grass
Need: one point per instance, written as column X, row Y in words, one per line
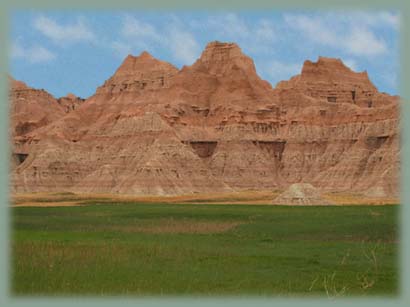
column 53, row 199
column 357, row 199
column 263, row 197
column 47, row 204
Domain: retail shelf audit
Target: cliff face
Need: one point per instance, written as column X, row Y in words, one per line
column 216, row 126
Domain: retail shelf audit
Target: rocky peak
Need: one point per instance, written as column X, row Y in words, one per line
column 331, row 80
column 219, row 58
column 22, row 92
column 325, row 63
column 145, row 55
column 138, row 64
column 138, row 73
column 333, row 70
column 70, row 102
column 30, row 108
column 71, row 96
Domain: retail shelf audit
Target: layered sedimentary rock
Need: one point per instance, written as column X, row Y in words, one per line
column 217, row 126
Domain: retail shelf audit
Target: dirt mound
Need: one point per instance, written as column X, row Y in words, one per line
column 376, row 192
column 301, row 194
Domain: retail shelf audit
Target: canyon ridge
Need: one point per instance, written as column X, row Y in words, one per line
column 214, row 126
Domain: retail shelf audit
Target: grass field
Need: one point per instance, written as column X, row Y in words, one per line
column 186, row 249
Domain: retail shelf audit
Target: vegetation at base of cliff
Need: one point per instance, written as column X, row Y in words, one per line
column 183, row 249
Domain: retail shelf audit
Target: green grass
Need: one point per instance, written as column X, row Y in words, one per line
column 166, row 249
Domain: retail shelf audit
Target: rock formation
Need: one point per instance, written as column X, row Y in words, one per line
column 30, row 108
column 215, row 126
column 301, row 194
column 70, row 102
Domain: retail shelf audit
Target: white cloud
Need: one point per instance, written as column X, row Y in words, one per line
column 178, row 35
column 313, row 28
column 255, row 37
column 351, row 35
column 134, row 28
column 362, row 41
column 183, row 45
column 64, row 34
column 277, row 70
column 392, row 19
column 138, row 35
column 232, row 27
column 352, row 64
column 371, row 19
column 135, row 34
column 264, row 31
column 121, row 49
column 229, row 25
column 33, row 54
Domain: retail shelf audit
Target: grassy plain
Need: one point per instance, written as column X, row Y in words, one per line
column 101, row 247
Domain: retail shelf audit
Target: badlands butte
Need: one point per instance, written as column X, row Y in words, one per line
column 211, row 127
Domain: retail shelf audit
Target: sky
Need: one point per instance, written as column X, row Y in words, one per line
column 76, row 51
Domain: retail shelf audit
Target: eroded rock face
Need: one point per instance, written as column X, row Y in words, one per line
column 30, row 108
column 216, row 126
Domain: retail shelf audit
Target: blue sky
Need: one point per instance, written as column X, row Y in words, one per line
column 76, row 51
